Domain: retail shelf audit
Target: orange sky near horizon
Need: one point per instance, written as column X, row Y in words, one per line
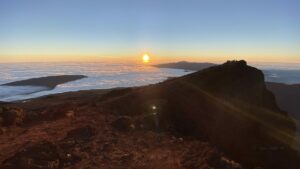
column 154, row 58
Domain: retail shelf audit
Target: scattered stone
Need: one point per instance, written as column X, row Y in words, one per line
column 43, row 155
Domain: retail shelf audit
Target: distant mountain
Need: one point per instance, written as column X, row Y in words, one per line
column 49, row 81
column 228, row 105
column 186, row 65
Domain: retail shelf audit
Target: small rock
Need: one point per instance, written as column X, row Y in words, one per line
column 127, row 157
column 70, row 114
column 3, row 130
column 132, row 126
column 122, row 124
column 105, row 146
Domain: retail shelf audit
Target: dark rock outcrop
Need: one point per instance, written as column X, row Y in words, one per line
column 80, row 135
column 11, row 116
column 42, row 155
column 77, row 137
column 48, row 155
column 123, row 124
column 194, row 158
column 228, row 105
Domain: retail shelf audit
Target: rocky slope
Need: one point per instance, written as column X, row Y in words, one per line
column 288, row 99
column 73, row 131
column 228, row 105
column 221, row 117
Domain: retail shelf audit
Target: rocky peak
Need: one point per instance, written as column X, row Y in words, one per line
column 228, row 105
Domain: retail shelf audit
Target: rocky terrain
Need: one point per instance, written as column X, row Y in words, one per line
column 287, row 95
column 221, row 117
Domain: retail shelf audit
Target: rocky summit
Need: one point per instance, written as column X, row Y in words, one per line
column 228, row 105
column 220, row 117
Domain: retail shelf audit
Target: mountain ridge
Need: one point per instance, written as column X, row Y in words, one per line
column 238, row 103
column 220, row 117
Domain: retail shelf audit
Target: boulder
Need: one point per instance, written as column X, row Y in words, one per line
column 123, row 124
column 78, row 136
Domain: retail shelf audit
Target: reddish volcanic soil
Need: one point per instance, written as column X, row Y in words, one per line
column 82, row 135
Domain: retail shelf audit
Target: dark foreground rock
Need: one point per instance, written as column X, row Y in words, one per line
column 49, row 81
column 48, row 155
column 43, row 155
column 78, row 136
column 11, row 116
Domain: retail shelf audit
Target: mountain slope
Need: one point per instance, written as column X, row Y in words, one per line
column 287, row 96
column 228, row 105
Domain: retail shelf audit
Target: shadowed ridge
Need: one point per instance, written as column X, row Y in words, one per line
column 228, row 105
column 236, row 81
column 287, row 96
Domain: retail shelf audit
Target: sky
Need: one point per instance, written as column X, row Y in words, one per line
column 168, row 30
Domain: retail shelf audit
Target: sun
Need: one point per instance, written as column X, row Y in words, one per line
column 146, row 58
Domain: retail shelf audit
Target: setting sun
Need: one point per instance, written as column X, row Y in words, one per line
column 146, row 58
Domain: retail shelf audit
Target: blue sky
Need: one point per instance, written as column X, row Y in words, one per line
column 253, row 29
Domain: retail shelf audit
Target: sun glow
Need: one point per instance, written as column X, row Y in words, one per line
column 146, row 58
